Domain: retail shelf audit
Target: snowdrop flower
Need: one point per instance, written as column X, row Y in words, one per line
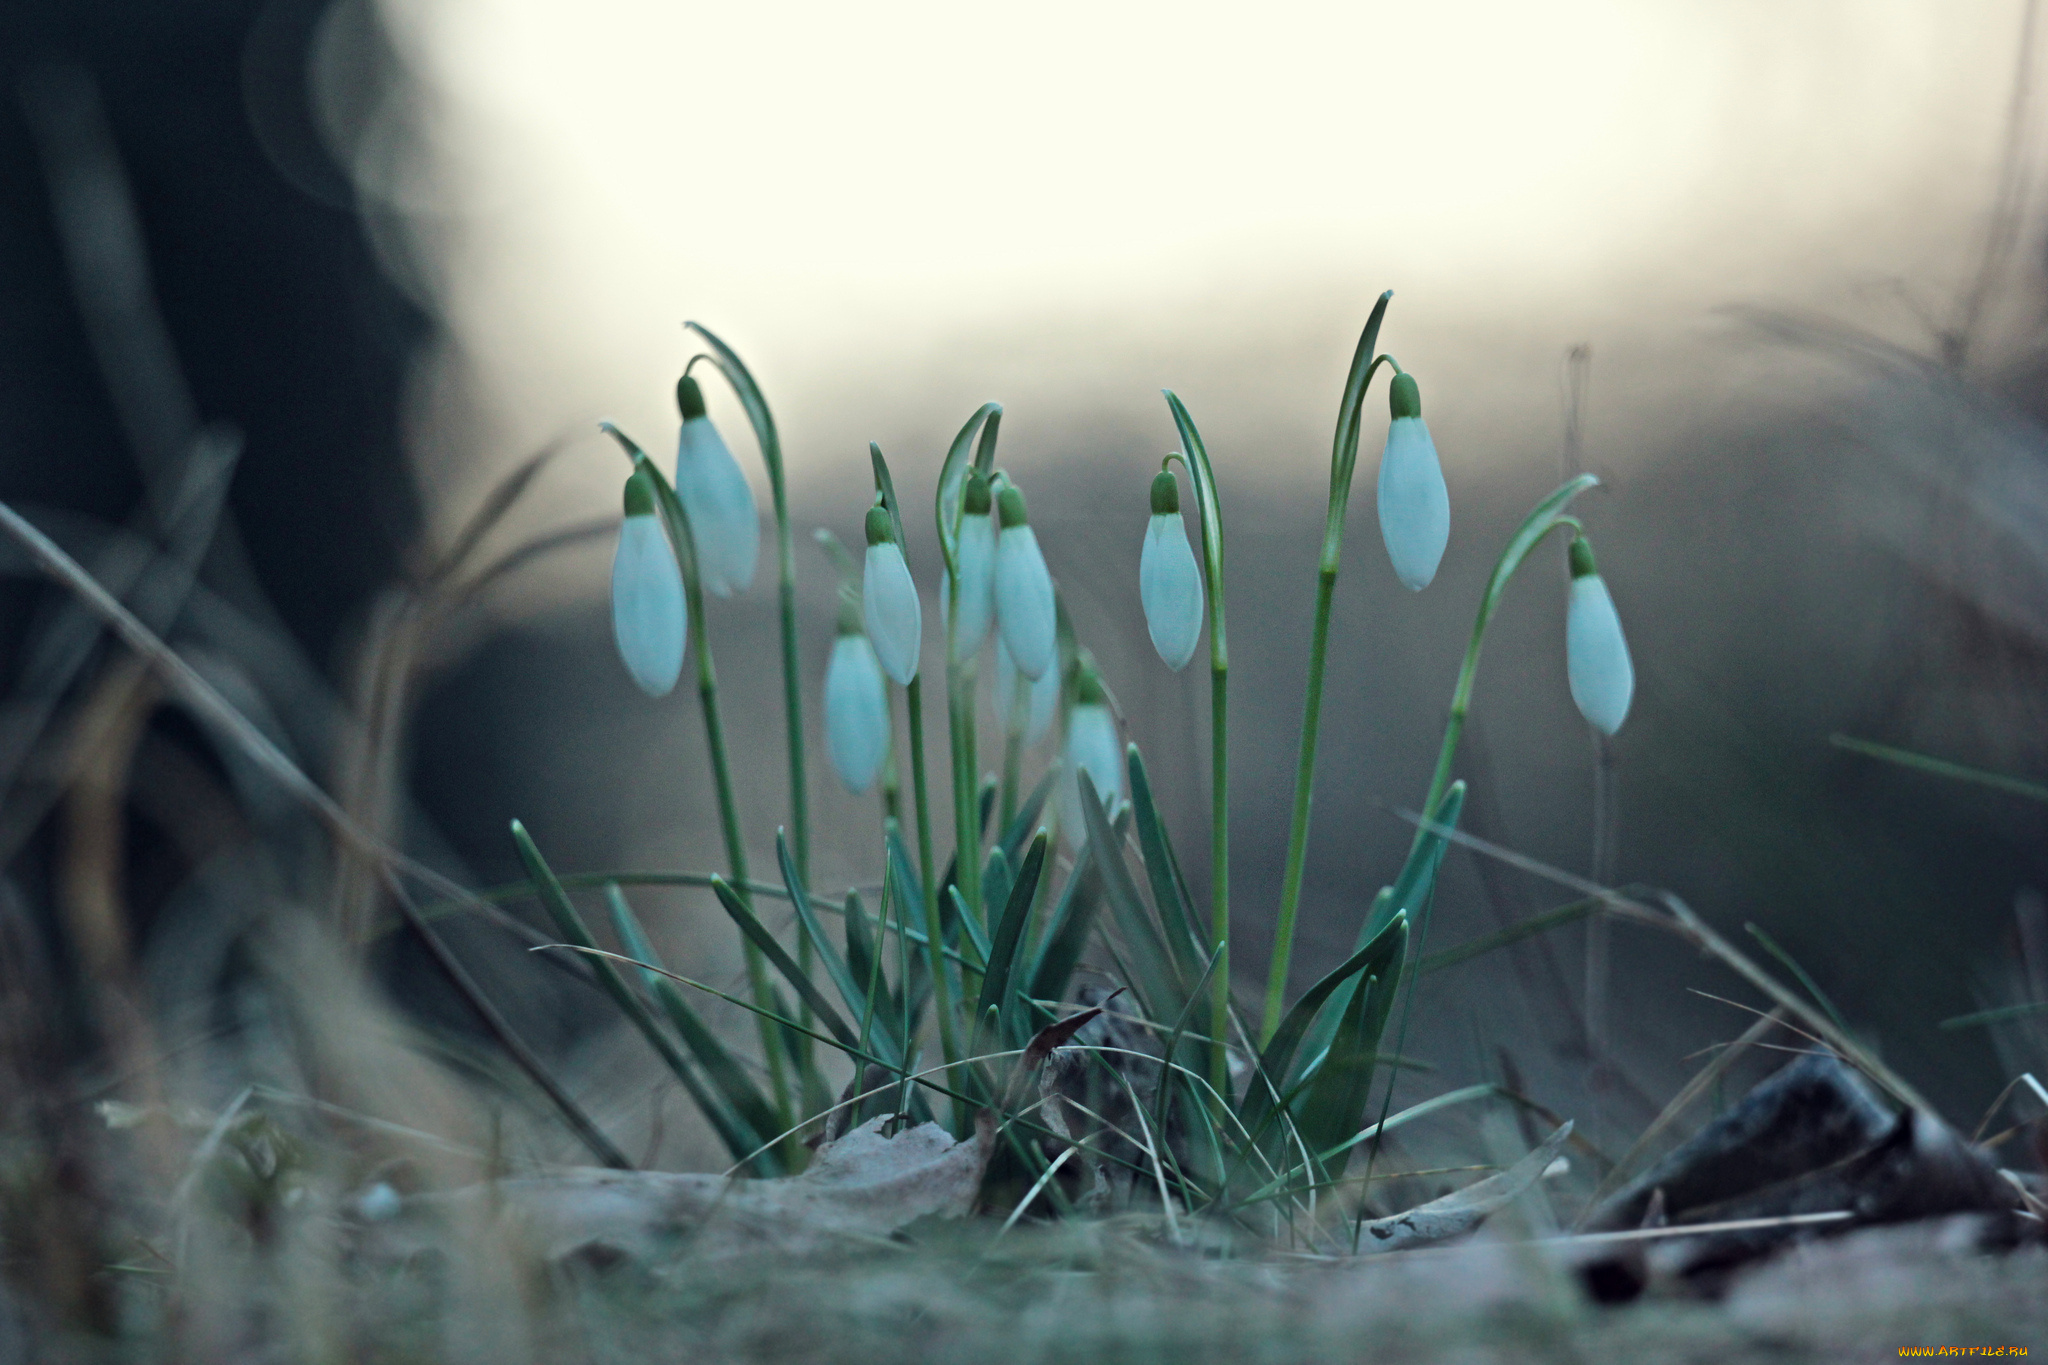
column 895, row 620
column 856, row 707
column 723, row 521
column 1041, row 698
column 1596, row 656
column 1169, row 581
column 650, row 619
column 1092, row 748
column 975, row 552
column 1024, row 602
column 1415, row 507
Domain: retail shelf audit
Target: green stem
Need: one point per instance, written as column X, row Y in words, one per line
column 966, row 795
column 742, row 380
column 913, row 695
column 678, row 520
column 1207, row 504
column 1545, row 517
column 1343, row 460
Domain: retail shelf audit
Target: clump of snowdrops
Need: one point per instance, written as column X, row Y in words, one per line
column 930, row 997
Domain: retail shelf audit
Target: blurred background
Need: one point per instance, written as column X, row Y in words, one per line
column 321, row 275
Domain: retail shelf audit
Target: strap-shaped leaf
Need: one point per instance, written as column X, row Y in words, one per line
column 779, row 958
column 852, row 989
column 1018, row 832
column 1169, row 895
column 1067, row 933
column 569, row 924
column 1334, row 1107
column 1276, row 1063
column 996, row 877
column 1158, row 986
column 754, row 1119
column 1009, row 938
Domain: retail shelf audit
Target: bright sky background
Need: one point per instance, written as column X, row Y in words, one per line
column 898, row 209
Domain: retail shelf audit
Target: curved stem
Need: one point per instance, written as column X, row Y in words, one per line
column 678, row 520
column 1546, row 516
column 1211, row 516
column 742, row 380
column 1343, row 460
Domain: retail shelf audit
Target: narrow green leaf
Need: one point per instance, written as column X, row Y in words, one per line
column 946, row 506
column 1941, row 767
column 1334, row 1107
column 569, row 924
column 1002, row 961
column 1066, row 936
column 1169, row 895
column 995, row 884
column 1018, row 832
column 960, row 918
column 852, row 989
column 755, row 1120
column 1157, row 986
column 1277, row 1061
column 779, row 958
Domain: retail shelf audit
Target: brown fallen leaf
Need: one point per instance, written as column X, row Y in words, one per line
column 1463, row 1210
column 859, row 1187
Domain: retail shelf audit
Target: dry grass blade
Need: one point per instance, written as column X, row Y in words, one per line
column 208, row 703
column 1675, row 917
column 1693, row 1089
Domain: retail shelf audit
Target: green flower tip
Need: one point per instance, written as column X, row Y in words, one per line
column 977, row 500
column 1088, row 687
column 1582, row 558
column 1403, row 397
column 1165, row 493
column 1010, row 508
column 689, row 398
column 881, row 526
column 640, row 494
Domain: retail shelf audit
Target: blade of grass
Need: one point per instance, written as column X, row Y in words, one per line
column 1941, row 767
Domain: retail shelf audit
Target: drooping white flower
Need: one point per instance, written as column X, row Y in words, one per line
column 1025, row 610
column 724, row 523
column 1596, row 656
column 650, row 618
column 1415, row 506
column 1041, row 698
column 856, row 709
column 1092, row 748
column 975, row 552
column 1169, row 580
column 895, row 619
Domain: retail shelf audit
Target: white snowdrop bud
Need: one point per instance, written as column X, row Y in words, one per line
column 724, row 524
column 975, row 553
column 1092, row 748
column 895, row 620
column 1025, row 611
column 1595, row 654
column 1415, row 506
column 1169, row 580
column 650, row 619
column 856, row 708
column 1041, row 698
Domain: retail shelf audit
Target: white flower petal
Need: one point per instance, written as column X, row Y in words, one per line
column 977, row 559
column 895, row 621
column 1415, row 506
column 650, row 619
column 1041, row 697
column 1093, row 748
column 1596, row 656
column 856, row 712
column 724, row 522
column 1025, row 609
column 1170, row 586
